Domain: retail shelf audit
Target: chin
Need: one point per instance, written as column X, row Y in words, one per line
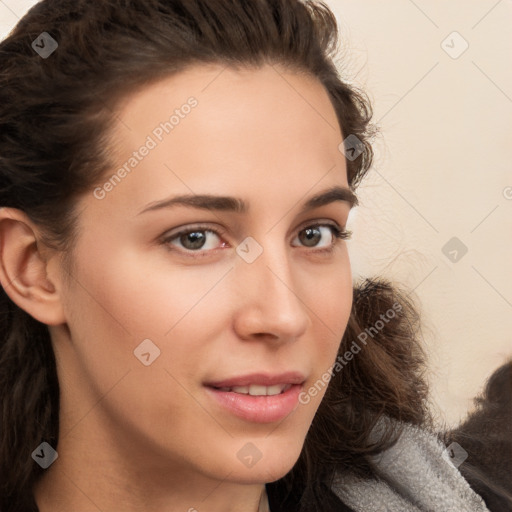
column 274, row 462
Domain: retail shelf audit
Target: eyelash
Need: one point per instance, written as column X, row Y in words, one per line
column 338, row 234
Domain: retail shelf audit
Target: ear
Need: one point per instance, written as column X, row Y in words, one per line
column 24, row 265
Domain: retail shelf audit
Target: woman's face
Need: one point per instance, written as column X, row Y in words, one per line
column 257, row 294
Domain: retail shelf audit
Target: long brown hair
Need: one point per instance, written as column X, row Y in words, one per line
column 55, row 118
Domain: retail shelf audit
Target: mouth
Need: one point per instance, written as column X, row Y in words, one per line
column 257, row 390
column 257, row 398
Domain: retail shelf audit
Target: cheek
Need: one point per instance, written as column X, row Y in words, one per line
column 125, row 300
column 120, row 305
column 331, row 303
column 143, row 297
column 329, row 299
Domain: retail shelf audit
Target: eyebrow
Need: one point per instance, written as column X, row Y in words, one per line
column 236, row 205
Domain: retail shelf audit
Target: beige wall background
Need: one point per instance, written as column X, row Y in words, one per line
column 439, row 75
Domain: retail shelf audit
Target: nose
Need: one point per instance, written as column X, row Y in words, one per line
column 269, row 302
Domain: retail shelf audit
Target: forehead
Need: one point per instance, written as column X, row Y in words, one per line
column 211, row 128
column 271, row 88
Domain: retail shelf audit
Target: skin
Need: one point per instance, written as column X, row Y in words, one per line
column 149, row 438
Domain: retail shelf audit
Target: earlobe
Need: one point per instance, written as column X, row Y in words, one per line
column 24, row 268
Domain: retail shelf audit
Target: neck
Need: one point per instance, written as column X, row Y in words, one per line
column 100, row 474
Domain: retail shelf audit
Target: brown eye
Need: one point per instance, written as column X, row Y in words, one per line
column 197, row 239
column 319, row 236
column 310, row 236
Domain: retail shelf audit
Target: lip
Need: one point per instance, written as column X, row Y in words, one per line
column 257, row 409
column 262, row 379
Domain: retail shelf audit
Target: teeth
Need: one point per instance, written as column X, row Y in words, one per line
column 275, row 390
column 257, row 390
column 240, row 389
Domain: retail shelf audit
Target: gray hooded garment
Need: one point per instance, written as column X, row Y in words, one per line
column 417, row 474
